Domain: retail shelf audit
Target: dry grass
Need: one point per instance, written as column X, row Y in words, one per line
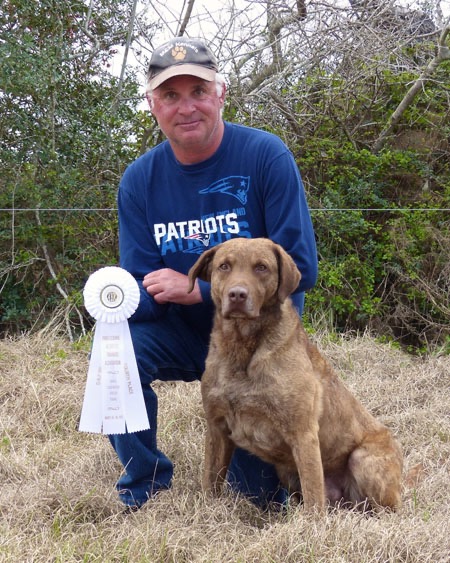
column 58, row 501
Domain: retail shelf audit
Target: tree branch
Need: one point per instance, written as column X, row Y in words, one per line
column 58, row 286
column 442, row 54
column 186, row 18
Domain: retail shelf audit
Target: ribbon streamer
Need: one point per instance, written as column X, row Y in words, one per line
column 113, row 400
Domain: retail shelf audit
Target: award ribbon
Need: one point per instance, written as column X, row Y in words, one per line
column 113, row 400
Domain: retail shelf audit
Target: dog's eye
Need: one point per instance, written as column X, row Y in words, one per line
column 260, row 268
column 224, row 267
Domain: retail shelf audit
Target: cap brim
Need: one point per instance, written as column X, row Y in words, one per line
column 208, row 74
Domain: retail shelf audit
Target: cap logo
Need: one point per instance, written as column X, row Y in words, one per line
column 179, row 53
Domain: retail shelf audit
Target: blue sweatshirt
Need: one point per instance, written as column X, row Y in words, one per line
column 170, row 213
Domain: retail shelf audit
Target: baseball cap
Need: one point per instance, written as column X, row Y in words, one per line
column 178, row 56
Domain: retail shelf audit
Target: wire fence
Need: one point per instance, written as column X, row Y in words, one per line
column 312, row 209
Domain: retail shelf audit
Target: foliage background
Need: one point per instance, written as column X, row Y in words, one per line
column 327, row 78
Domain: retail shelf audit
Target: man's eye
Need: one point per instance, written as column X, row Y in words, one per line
column 170, row 96
column 200, row 92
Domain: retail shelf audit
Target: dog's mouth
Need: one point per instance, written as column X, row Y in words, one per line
column 239, row 311
column 239, row 315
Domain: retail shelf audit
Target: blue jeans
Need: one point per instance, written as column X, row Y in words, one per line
column 169, row 350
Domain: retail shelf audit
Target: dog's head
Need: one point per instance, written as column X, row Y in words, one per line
column 246, row 275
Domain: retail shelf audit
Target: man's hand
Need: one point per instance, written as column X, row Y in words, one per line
column 169, row 286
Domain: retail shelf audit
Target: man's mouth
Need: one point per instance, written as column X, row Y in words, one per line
column 189, row 125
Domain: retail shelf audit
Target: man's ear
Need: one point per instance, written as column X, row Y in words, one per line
column 202, row 268
column 149, row 97
column 223, row 95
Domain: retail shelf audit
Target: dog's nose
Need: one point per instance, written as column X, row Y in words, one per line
column 237, row 294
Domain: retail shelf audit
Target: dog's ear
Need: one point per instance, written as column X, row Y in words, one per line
column 288, row 274
column 202, row 268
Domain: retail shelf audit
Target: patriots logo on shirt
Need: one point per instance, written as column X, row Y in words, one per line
column 236, row 186
column 202, row 237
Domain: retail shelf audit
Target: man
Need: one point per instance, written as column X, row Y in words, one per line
column 208, row 182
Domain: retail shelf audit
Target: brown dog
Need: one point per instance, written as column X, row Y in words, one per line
column 267, row 389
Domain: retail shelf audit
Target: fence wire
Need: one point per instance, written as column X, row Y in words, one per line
column 313, row 209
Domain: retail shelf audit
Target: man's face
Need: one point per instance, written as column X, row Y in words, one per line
column 188, row 110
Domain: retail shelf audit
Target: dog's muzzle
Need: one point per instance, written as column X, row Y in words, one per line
column 237, row 302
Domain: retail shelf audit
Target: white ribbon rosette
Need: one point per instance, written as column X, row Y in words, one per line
column 113, row 400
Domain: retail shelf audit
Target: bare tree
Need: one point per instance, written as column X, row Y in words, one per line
column 442, row 54
column 271, row 49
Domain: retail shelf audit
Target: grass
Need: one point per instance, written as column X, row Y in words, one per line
column 58, row 501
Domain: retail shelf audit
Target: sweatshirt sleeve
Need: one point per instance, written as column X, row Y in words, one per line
column 137, row 249
column 287, row 216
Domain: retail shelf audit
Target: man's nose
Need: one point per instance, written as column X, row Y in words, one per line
column 186, row 105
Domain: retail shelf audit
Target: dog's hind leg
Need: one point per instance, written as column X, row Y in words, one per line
column 376, row 470
column 218, row 451
column 289, row 478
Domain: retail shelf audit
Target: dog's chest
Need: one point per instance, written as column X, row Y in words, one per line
column 246, row 408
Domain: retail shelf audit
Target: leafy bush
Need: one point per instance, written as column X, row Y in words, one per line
column 69, row 128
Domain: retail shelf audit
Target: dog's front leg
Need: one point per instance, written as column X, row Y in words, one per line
column 310, row 469
column 218, row 451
